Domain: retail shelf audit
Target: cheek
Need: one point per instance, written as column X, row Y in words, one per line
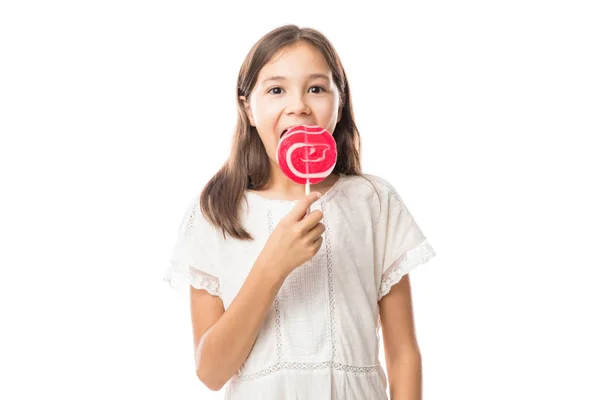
column 326, row 111
column 264, row 125
column 265, row 111
column 268, row 142
column 326, row 105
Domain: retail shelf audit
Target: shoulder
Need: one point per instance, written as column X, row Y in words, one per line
column 194, row 220
column 370, row 194
column 368, row 186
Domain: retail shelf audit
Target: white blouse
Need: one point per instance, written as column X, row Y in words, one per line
column 320, row 338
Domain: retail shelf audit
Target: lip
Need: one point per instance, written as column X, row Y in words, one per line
column 288, row 128
column 286, row 131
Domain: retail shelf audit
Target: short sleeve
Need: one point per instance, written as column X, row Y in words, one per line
column 404, row 244
column 191, row 260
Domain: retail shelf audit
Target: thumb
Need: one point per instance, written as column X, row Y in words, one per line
column 299, row 210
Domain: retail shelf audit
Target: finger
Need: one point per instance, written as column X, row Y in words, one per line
column 310, row 221
column 317, row 243
column 299, row 210
column 316, row 232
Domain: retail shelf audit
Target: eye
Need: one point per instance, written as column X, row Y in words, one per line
column 275, row 88
column 320, row 89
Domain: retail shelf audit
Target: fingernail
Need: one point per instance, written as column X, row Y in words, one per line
column 318, row 194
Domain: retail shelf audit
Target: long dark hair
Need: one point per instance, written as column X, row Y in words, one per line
column 248, row 165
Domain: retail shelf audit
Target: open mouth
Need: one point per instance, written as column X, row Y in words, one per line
column 283, row 133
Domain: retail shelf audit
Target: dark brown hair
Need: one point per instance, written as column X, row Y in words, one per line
column 248, row 164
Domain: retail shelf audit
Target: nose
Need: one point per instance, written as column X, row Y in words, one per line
column 297, row 105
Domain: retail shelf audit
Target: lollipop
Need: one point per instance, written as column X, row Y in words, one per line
column 307, row 154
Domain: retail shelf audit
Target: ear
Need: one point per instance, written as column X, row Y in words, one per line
column 248, row 110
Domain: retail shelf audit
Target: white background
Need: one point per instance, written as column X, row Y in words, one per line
column 484, row 115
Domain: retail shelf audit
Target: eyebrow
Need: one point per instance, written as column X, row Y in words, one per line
column 283, row 78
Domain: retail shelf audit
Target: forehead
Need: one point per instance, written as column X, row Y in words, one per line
column 298, row 61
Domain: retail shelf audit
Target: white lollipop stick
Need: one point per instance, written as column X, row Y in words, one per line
column 307, row 186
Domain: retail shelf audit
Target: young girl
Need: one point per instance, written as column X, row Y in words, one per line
column 285, row 304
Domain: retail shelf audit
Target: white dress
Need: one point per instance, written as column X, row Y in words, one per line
column 320, row 338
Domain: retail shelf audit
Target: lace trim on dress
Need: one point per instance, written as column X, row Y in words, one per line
column 306, row 367
column 329, row 279
column 198, row 279
column 202, row 280
column 411, row 259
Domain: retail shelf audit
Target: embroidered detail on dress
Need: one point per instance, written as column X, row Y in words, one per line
column 305, row 367
column 329, row 280
column 412, row 258
column 191, row 219
column 276, row 301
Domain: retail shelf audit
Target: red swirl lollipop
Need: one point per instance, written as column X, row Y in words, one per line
column 307, row 154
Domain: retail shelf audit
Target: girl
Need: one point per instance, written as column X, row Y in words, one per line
column 285, row 304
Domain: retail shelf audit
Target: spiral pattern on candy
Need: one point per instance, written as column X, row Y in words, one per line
column 307, row 152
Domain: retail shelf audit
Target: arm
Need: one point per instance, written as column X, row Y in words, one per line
column 223, row 339
column 402, row 354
